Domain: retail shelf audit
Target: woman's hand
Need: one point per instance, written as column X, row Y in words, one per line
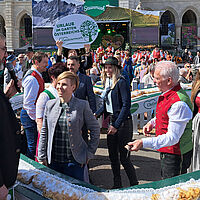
column 112, row 130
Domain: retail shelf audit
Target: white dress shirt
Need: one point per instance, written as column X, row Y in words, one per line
column 109, row 107
column 31, row 88
column 179, row 115
column 42, row 101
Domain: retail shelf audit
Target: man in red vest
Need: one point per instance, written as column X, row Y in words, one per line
column 173, row 123
column 156, row 53
column 33, row 85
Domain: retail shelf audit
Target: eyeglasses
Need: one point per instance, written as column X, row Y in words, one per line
column 21, row 57
column 3, row 48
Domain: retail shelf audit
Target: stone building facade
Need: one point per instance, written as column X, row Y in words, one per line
column 184, row 14
column 15, row 17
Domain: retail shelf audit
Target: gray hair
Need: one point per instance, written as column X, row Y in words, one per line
column 168, row 69
column 182, row 71
column 93, row 70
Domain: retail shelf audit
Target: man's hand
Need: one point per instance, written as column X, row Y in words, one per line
column 10, row 89
column 87, row 48
column 111, row 130
column 134, row 146
column 59, row 44
column 3, row 192
column 147, row 129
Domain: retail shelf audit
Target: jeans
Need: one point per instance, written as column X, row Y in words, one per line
column 30, row 128
column 72, row 169
column 116, row 149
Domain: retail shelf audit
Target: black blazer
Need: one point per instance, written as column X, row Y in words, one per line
column 85, row 63
column 121, row 102
column 85, row 91
column 9, row 143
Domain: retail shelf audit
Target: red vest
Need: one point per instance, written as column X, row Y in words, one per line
column 40, row 82
column 100, row 50
column 156, row 54
column 163, row 105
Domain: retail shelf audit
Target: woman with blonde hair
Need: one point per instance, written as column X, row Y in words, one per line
column 116, row 105
column 61, row 145
column 195, row 98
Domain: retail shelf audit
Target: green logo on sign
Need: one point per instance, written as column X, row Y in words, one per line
column 134, row 107
column 95, row 8
column 88, row 29
column 150, row 104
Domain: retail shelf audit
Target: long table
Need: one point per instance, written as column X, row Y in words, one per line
column 28, row 193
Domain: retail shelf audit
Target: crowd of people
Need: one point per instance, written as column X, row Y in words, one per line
column 60, row 121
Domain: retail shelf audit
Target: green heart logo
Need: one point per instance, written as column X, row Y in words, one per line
column 134, row 107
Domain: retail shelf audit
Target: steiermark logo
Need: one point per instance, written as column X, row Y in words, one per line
column 88, row 30
column 95, row 7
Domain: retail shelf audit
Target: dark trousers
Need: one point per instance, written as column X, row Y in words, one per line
column 186, row 161
column 72, row 169
column 30, row 128
column 174, row 165
column 116, row 149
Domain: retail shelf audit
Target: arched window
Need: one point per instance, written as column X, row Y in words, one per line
column 2, row 26
column 25, row 31
column 167, row 29
column 189, row 30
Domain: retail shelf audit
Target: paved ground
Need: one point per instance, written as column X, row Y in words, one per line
column 146, row 162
